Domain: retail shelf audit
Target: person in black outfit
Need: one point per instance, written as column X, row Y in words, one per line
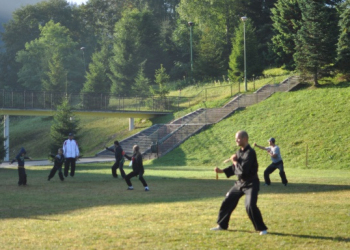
column 119, row 159
column 245, row 166
column 59, row 160
column 137, row 168
column 22, row 176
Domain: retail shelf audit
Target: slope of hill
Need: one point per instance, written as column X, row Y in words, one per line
column 310, row 126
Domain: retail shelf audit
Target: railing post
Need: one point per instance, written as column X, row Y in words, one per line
column 32, row 100
column 3, row 99
column 24, row 99
column 12, row 99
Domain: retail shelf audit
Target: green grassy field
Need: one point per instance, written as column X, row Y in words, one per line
column 95, row 211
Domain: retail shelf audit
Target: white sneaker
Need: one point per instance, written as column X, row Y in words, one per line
column 218, row 228
column 130, row 188
column 263, row 232
column 146, row 188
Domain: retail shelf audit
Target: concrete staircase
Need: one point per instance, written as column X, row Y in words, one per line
column 166, row 137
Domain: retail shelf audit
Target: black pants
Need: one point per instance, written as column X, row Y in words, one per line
column 53, row 172
column 22, row 176
column 69, row 161
column 271, row 168
column 117, row 165
column 251, row 198
column 133, row 174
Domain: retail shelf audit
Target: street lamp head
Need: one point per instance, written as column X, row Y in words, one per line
column 190, row 23
column 244, row 18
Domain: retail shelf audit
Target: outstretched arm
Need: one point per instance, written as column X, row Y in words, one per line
column 261, row 147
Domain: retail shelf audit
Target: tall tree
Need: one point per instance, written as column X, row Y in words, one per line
column 286, row 17
column 253, row 62
column 24, row 27
column 136, row 39
column 161, row 78
column 64, row 123
column 97, row 80
column 315, row 46
column 141, row 86
column 343, row 48
column 53, row 51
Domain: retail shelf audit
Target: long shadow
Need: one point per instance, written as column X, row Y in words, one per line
column 304, row 236
column 86, row 190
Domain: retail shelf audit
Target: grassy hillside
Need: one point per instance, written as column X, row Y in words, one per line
column 33, row 133
column 310, row 126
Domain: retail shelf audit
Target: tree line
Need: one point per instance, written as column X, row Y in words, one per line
column 127, row 47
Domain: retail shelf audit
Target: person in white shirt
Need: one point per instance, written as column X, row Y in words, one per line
column 274, row 151
column 71, row 153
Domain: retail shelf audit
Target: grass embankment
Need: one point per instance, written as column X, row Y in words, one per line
column 95, row 211
column 309, row 125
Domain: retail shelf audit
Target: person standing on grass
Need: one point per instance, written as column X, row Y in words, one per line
column 59, row 160
column 274, row 151
column 71, row 153
column 119, row 159
column 22, row 176
column 137, row 168
column 245, row 166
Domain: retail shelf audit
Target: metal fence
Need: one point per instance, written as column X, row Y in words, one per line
column 88, row 101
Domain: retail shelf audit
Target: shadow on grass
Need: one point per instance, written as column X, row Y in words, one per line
column 303, row 236
column 97, row 189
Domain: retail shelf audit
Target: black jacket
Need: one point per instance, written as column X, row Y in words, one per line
column 59, row 160
column 247, row 165
column 137, row 164
column 118, row 153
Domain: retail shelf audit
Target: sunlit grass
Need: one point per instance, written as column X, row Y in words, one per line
column 95, row 211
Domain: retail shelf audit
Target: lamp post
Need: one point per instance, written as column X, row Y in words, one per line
column 191, row 24
column 244, row 19
column 82, row 49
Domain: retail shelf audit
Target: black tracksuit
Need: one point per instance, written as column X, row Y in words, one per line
column 22, row 176
column 59, row 160
column 247, row 184
column 119, row 161
column 137, row 169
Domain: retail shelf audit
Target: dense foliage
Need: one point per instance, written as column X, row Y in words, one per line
column 117, row 45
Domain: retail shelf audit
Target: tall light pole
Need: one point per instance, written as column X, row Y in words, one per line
column 82, row 49
column 191, row 24
column 244, row 19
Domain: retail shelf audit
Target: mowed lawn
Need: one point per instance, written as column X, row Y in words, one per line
column 94, row 211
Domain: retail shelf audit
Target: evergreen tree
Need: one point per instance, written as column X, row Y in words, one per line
column 254, row 65
column 142, row 83
column 64, row 123
column 286, row 17
column 97, row 80
column 161, row 78
column 56, row 79
column 136, row 39
column 343, row 49
column 315, row 46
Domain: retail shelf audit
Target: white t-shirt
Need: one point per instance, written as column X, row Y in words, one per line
column 275, row 151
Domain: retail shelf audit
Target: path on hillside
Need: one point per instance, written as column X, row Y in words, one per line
column 30, row 163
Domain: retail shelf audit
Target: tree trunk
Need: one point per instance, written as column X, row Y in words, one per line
column 316, row 84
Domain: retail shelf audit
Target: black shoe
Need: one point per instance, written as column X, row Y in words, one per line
column 48, row 178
